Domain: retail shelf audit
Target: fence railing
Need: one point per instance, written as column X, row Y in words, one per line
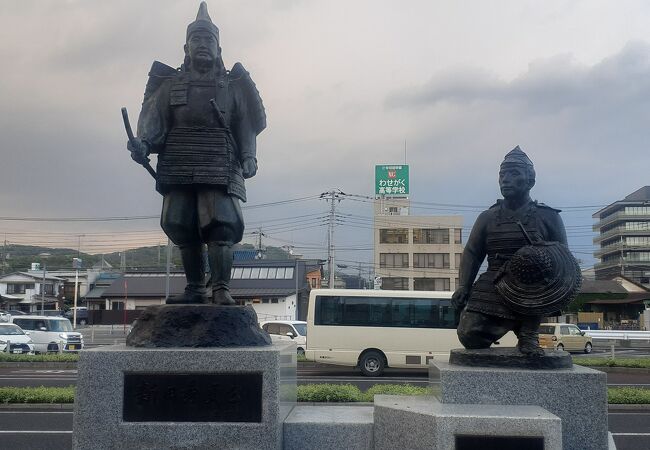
column 113, row 317
column 624, row 335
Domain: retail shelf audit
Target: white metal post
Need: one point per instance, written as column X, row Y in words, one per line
column 43, row 290
column 74, row 310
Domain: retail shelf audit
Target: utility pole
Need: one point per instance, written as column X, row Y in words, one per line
column 334, row 196
column 79, row 245
column 259, row 234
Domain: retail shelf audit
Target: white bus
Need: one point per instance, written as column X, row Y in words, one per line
column 375, row 329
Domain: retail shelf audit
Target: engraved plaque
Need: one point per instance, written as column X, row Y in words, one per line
column 499, row 443
column 192, row 397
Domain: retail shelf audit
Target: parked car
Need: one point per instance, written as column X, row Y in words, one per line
column 16, row 312
column 18, row 340
column 564, row 336
column 282, row 330
column 50, row 332
column 82, row 315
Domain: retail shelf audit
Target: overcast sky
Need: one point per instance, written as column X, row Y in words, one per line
column 346, row 85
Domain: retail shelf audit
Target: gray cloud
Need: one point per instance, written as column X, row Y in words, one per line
column 345, row 85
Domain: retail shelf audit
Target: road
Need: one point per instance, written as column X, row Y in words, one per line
column 52, row 428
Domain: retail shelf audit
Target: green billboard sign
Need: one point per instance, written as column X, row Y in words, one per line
column 392, row 181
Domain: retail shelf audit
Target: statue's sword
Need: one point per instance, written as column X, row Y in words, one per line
column 129, row 133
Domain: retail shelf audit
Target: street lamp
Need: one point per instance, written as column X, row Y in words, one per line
column 43, row 257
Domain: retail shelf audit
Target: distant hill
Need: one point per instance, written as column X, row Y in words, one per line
column 14, row 258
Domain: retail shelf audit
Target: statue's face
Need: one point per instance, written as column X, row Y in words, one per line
column 202, row 47
column 513, row 181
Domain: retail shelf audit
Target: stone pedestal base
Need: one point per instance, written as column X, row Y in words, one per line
column 424, row 423
column 329, row 427
column 217, row 398
column 577, row 395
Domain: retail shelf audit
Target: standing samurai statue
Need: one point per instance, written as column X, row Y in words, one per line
column 530, row 272
column 202, row 120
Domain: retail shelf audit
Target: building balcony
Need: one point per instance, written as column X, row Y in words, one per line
column 619, row 231
column 624, row 262
column 618, row 247
column 617, row 217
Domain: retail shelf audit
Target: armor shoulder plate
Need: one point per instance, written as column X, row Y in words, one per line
column 255, row 107
column 543, row 206
column 158, row 73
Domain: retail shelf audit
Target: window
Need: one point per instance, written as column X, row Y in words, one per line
column 458, row 236
column 575, row 331
column 431, row 260
column 19, row 288
column 284, row 329
column 394, row 236
column 246, row 272
column 397, row 283
column 237, row 272
column 384, row 312
column 314, row 282
column 458, row 258
column 49, row 289
column 264, row 272
column 564, row 330
column 637, row 210
column 288, row 274
column 431, row 284
column 255, row 272
column 637, row 226
column 117, row 306
column 25, row 324
column 431, row 236
column 394, row 260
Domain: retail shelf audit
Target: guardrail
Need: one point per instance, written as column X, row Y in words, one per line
column 625, row 335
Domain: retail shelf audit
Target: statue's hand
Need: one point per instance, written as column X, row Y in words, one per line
column 139, row 150
column 460, row 297
column 249, row 167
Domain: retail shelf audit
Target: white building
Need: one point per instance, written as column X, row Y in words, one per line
column 24, row 291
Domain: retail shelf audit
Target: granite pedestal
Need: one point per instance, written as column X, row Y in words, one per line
column 329, row 427
column 184, row 398
column 425, row 423
column 577, row 395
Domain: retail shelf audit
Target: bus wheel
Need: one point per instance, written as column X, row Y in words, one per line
column 372, row 364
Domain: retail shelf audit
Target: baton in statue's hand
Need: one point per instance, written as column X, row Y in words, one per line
column 134, row 143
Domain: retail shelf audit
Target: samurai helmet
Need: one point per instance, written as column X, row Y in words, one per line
column 203, row 22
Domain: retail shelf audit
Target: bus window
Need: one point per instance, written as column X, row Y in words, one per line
column 383, row 312
column 329, row 310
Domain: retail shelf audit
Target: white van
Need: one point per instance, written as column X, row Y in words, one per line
column 48, row 332
column 292, row 330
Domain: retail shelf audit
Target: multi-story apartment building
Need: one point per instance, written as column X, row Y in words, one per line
column 415, row 252
column 624, row 238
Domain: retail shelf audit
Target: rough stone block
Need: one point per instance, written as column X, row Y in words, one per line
column 329, row 427
column 577, row 395
column 424, row 423
column 99, row 405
